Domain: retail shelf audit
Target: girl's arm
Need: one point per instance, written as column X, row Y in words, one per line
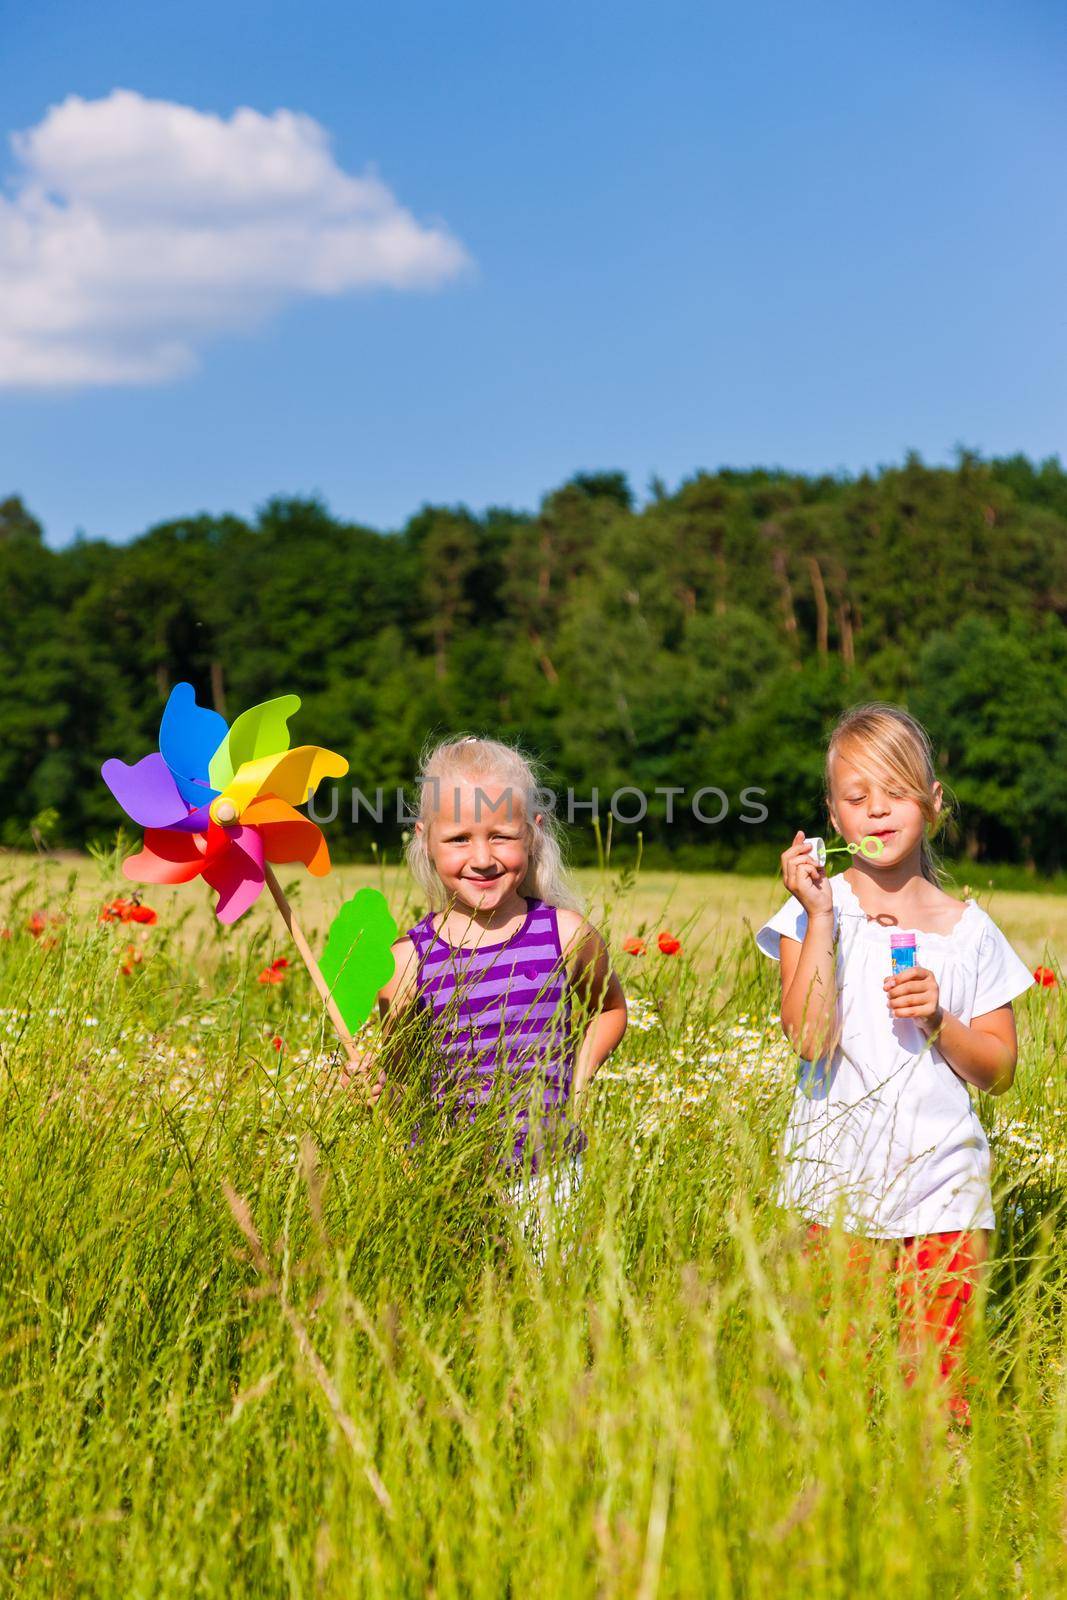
column 395, row 996
column 984, row 1053
column 598, row 993
column 809, row 966
column 394, row 999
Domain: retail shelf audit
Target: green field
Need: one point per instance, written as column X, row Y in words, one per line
column 252, row 1343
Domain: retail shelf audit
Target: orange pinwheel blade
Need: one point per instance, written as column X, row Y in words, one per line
column 286, row 835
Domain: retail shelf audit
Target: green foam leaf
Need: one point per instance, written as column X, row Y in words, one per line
column 357, row 959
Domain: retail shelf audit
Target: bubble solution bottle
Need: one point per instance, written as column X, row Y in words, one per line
column 902, row 952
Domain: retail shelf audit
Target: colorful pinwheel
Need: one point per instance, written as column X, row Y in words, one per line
column 218, row 802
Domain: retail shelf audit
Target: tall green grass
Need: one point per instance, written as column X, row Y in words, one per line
column 253, row 1342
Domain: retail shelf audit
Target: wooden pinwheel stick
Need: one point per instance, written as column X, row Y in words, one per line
column 351, row 1049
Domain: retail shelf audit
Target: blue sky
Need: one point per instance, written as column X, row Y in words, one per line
column 813, row 235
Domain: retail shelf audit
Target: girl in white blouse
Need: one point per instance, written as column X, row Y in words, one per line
column 883, row 1133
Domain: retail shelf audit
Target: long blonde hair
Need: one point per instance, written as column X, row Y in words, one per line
column 886, row 744
column 482, row 760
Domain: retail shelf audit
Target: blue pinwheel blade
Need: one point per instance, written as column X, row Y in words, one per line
column 189, row 735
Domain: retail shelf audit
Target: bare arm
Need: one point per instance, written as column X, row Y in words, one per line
column 809, row 966
column 809, row 990
column 395, row 996
column 598, row 1001
column 394, row 999
column 983, row 1052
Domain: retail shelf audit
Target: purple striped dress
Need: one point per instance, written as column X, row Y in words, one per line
column 503, row 1007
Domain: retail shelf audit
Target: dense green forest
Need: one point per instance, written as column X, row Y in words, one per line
column 707, row 638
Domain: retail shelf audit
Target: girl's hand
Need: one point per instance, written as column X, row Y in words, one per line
column 373, row 1089
column 360, row 1078
column 806, row 880
column 915, row 994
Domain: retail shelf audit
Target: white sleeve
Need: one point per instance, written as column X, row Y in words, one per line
column 792, row 920
column 1002, row 976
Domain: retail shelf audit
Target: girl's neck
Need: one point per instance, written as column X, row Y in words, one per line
column 903, row 881
column 462, row 918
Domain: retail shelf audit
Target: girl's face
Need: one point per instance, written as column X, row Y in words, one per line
column 860, row 806
column 478, row 841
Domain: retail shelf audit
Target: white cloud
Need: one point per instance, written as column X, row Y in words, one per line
column 137, row 229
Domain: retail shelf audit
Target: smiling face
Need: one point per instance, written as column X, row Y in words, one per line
column 479, row 843
column 860, row 805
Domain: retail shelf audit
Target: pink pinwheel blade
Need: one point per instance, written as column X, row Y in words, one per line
column 237, row 874
column 146, row 791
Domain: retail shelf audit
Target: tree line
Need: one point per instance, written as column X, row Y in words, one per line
column 704, row 640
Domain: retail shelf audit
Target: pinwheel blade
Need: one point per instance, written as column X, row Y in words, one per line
column 287, row 835
column 357, row 959
column 197, row 821
column 237, row 874
column 167, row 857
column 293, row 776
column 147, row 791
column 261, row 731
column 189, row 735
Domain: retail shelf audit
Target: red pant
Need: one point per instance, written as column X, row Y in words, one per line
column 936, row 1277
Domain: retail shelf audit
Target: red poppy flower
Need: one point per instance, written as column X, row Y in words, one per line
column 278, row 1042
column 279, row 964
column 37, row 924
column 121, row 910
column 271, row 975
column 133, row 959
column 1045, row 977
column 5, row 933
column 634, row 946
column 669, row 944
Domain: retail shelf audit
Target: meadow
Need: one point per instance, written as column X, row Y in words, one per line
column 253, row 1342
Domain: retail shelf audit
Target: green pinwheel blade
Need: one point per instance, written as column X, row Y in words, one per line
column 260, row 731
column 357, row 959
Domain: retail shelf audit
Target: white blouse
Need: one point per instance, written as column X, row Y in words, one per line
column 884, row 1127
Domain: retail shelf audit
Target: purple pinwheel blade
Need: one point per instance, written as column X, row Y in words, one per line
column 189, row 735
column 146, row 791
column 196, row 822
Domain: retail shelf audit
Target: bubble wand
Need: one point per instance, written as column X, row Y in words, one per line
column 869, row 846
column 903, row 947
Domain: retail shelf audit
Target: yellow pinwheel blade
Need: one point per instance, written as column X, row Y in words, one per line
column 292, row 776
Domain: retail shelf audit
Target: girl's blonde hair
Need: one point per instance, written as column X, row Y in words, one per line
column 886, row 744
column 480, row 761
